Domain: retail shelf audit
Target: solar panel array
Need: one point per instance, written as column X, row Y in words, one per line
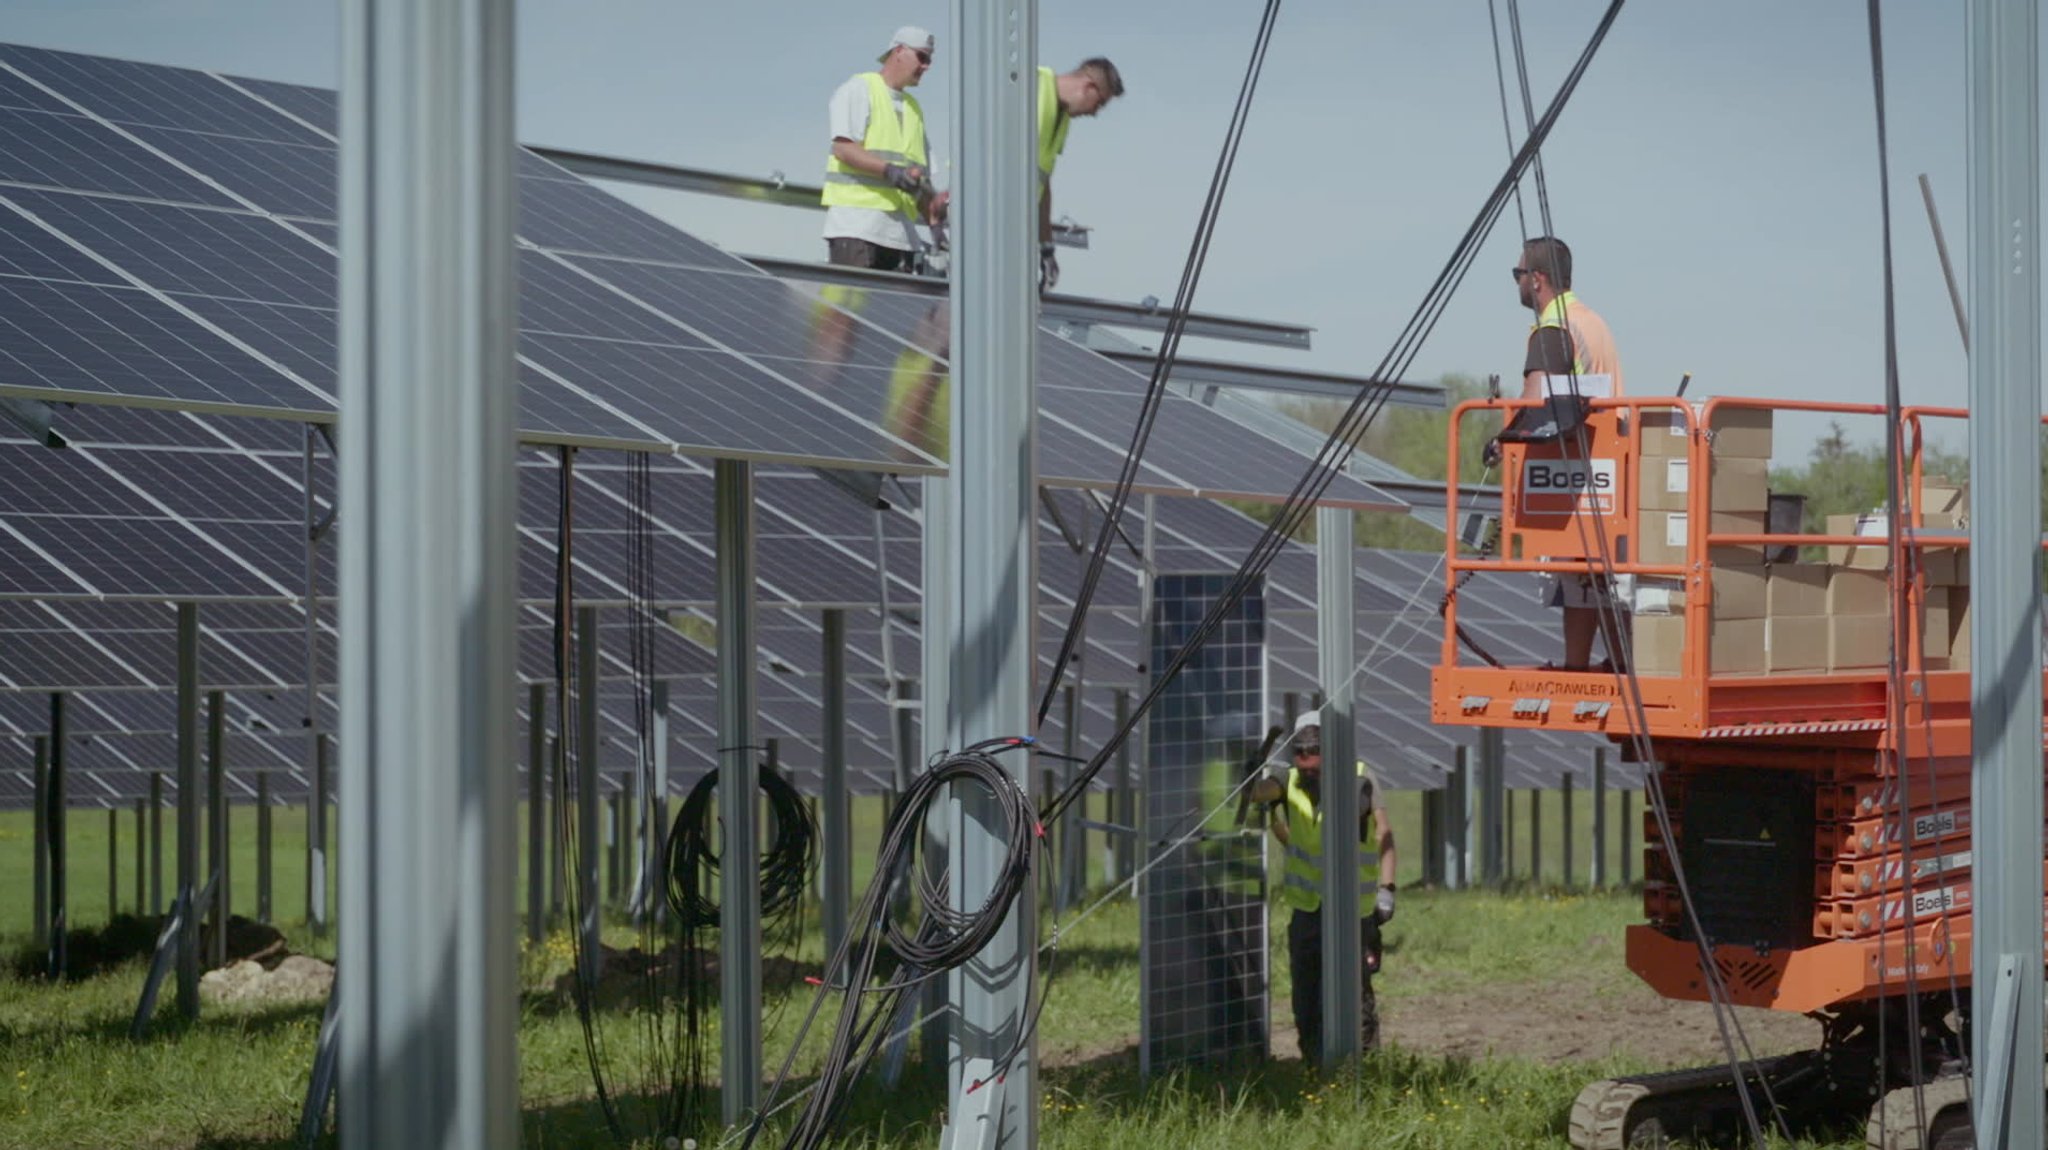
column 167, row 241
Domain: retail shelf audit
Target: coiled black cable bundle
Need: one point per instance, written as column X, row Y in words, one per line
column 906, row 931
column 786, row 864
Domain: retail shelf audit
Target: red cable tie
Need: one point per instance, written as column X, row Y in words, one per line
column 814, row 981
column 1040, row 828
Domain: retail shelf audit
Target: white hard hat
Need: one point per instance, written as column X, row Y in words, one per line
column 909, row 36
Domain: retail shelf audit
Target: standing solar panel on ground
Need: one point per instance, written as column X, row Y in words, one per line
column 1203, row 943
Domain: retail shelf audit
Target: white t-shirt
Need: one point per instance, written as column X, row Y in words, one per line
column 849, row 115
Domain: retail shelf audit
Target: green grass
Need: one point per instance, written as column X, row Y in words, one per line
column 70, row 1077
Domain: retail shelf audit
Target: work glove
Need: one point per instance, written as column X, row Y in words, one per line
column 1491, row 456
column 904, row 177
column 1048, row 267
column 1383, row 906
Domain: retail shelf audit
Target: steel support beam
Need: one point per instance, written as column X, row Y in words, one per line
column 2005, row 564
column 1565, row 872
column 141, row 858
column 55, row 804
column 536, row 811
column 992, row 537
column 1336, row 632
column 654, row 893
column 1598, row 875
column 317, row 854
column 217, row 828
column 156, row 838
column 588, row 855
column 264, row 843
column 837, row 872
column 428, row 997
column 39, row 842
column 739, row 790
column 113, row 862
column 1493, row 849
column 188, row 810
column 1458, row 822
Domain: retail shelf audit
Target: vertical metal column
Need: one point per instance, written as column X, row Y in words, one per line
column 536, row 810
column 39, row 841
column 1458, row 823
column 992, row 538
column 1535, row 834
column 141, row 858
column 188, row 810
column 1565, row 872
column 838, row 806
column 2005, row 574
column 217, row 828
column 654, row 896
column 55, row 806
column 739, row 789
column 1599, row 872
column 615, row 842
column 588, row 857
column 558, row 846
column 1492, row 804
column 1073, row 836
column 113, row 862
column 428, row 644
column 263, row 846
column 1628, row 838
column 317, row 854
column 1336, row 633
column 156, row 842
column 1126, row 812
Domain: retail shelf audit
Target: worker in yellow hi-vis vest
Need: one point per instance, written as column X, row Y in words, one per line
column 1061, row 98
column 878, row 178
column 1300, row 831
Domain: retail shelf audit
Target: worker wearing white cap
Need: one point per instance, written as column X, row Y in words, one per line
column 1061, row 98
column 1300, row 831
column 878, row 178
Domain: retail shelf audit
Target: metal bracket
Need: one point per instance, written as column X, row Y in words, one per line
column 1531, row 708
column 1472, row 704
column 1591, row 710
column 1996, row 1077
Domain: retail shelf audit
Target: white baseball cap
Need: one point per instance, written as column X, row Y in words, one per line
column 1309, row 720
column 909, row 36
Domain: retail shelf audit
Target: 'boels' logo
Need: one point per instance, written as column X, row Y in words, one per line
column 1562, row 486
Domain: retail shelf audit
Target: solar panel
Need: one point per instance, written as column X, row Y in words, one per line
column 132, row 93
column 53, row 150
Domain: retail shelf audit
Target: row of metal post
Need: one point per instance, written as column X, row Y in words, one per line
column 1468, row 826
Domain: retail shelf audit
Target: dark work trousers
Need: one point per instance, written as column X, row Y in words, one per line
column 852, row 253
column 1305, row 966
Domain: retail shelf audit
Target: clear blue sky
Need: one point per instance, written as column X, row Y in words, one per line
column 1716, row 174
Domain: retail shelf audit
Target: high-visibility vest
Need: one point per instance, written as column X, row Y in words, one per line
column 1301, row 884
column 896, row 139
column 1592, row 344
column 1052, row 123
column 918, row 407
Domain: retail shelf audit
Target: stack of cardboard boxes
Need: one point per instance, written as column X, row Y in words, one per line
column 1740, row 498
column 1781, row 618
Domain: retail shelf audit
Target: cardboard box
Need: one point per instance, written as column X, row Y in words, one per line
column 1864, row 526
column 1741, row 433
column 1661, row 537
column 1658, row 645
column 1945, row 566
column 1741, row 592
column 1959, row 628
column 1859, row 642
column 1798, row 589
column 1665, row 483
column 1798, row 645
column 1854, row 591
column 1740, row 484
column 1665, row 433
column 1943, row 504
column 1936, row 637
column 1656, row 595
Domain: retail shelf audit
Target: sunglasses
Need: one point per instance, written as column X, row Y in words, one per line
column 922, row 56
column 1308, row 749
column 1520, row 272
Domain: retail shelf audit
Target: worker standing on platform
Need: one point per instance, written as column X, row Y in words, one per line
column 1569, row 342
column 1300, row 831
column 878, row 179
column 1061, row 98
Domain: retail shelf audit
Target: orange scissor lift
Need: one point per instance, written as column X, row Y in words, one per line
column 1822, row 824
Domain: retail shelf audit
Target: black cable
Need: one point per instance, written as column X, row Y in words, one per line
column 786, row 863
column 1169, row 351
column 1359, row 415
column 896, row 942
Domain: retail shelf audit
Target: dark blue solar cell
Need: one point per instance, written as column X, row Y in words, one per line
column 319, row 107
column 29, row 249
column 154, row 94
column 194, row 250
column 147, row 557
column 301, row 340
column 16, row 92
column 576, row 217
column 99, row 342
column 711, row 402
column 29, row 572
column 758, row 316
column 288, row 179
column 556, row 298
column 77, row 153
